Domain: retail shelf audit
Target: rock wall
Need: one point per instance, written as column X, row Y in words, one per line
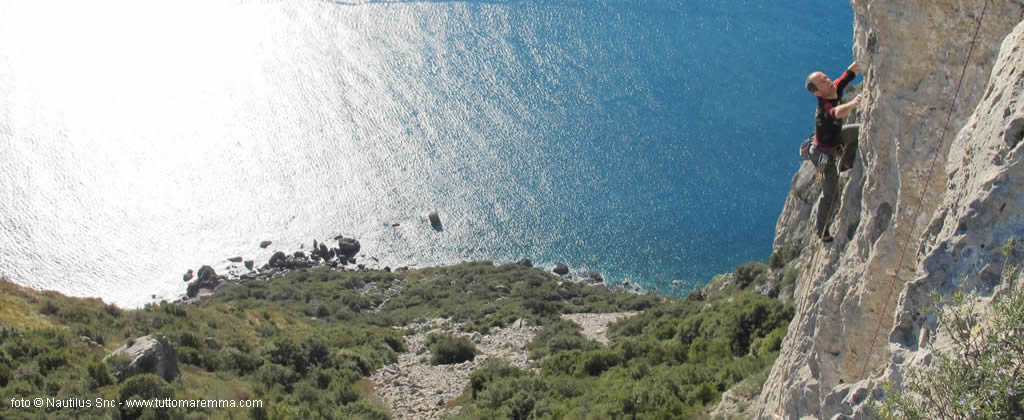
column 913, row 53
column 983, row 209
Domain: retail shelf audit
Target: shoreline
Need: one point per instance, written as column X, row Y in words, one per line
column 346, row 257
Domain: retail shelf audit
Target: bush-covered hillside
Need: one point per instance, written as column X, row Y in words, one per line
column 674, row 360
column 304, row 342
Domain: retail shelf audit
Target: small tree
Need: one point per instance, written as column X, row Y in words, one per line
column 144, row 387
column 446, row 349
column 99, row 375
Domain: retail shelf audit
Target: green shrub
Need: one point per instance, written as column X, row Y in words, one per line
column 781, row 256
column 143, row 387
column 321, row 378
column 563, row 363
column 286, row 352
column 492, row 370
column 557, row 336
column 789, row 276
column 356, row 359
column 447, row 349
column 95, row 334
column 259, row 413
column 174, row 309
column 322, row 311
column 393, row 341
column 513, row 397
column 241, row 361
column 99, row 375
column 307, row 393
column 118, row 363
column 112, row 310
column 49, row 308
column 703, row 350
column 190, row 356
column 752, row 317
column 211, row 361
column 51, row 360
column 771, row 342
column 595, row 362
column 705, row 393
column 271, row 374
column 750, row 272
column 342, row 392
column 365, row 409
column 652, row 351
column 188, row 339
column 5, row 374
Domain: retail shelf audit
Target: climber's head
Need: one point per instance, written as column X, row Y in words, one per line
column 820, row 85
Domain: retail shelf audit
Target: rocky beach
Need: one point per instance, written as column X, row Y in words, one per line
column 345, row 257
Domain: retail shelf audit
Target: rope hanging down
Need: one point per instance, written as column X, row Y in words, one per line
column 924, row 190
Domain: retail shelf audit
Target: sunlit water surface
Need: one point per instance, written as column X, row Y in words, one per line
column 649, row 140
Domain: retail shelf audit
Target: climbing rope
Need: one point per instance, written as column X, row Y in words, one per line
column 924, row 190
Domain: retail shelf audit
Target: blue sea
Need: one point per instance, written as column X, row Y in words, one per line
column 652, row 141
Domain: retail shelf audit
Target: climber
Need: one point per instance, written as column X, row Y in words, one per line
column 832, row 139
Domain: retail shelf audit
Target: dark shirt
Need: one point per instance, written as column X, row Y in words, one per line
column 826, row 126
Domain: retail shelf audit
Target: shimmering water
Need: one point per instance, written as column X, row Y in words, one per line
column 649, row 140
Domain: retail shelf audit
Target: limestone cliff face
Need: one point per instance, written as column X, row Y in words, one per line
column 913, row 53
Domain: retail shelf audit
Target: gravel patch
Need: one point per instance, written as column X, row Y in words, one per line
column 414, row 389
column 595, row 326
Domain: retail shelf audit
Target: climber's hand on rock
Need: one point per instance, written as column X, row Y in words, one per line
column 860, row 99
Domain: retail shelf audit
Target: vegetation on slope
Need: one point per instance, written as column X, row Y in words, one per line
column 671, row 361
column 303, row 342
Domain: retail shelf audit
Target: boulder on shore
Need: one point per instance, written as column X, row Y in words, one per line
column 560, row 269
column 348, row 247
column 207, row 278
column 277, row 260
column 188, row 275
column 206, row 273
column 265, row 244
